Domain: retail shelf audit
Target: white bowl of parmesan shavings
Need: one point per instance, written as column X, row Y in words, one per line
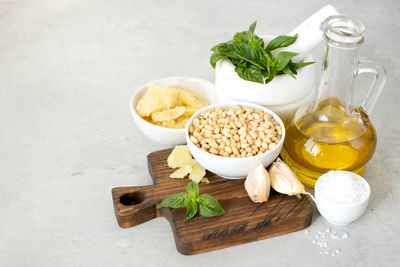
column 174, row 134
column 341, row 196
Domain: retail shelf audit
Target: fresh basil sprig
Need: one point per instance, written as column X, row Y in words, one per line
column 254, row 62
column 205, row 205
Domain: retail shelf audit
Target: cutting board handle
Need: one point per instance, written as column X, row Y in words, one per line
column 135, row 204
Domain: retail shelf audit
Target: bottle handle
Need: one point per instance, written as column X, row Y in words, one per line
column 377, row 84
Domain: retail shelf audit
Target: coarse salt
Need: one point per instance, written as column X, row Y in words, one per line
column 328, row 248
column 343, row 188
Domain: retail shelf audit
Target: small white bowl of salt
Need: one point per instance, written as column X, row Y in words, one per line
column 341, row 196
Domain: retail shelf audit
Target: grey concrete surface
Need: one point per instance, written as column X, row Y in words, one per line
column 67, row 69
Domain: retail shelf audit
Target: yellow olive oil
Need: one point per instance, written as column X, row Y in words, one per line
column 328, row 139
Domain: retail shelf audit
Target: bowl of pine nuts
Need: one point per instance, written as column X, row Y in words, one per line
column 229, row 139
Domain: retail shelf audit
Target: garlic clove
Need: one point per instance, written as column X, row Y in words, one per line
column 283, row 179
column 257, row 184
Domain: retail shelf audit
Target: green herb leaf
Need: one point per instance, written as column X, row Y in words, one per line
column 206, row 204
column 281, row 41
column 292, row 68
column 259, row 43
column 250, row 54
column 252, row 61
column 283, row 58
column 254, row 40
column 191, row 208
column 240, row 37
column 215, row 57
column 238, row 62
column 175, row 201
column 193, row 189
column 271, row 76
column 300, row 65
column 221, row 48
column 251, row 73
column 288, row 71
column 252, row 27
column 209, row 206
column 244, row 36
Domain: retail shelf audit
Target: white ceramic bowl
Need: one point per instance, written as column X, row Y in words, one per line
column 282, row 90
column 163, row 135
column 284, row 111
column 340, row 213
column 233, row 168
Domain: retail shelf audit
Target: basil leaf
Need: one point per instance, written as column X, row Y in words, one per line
column 300, row 65
column 288, row 71
column 240, row 37
column 271, row 76
column 191, row 208
column 192, row 189
column 248, row 37
column 268, row 53
column 259, row 43
column 252, row 27
column 254, row 40
column 283, row 58
column 222, row 48
column 250, row 73
column 250, row 54
column 215, row 57
column 175, row 201
column 292, row 68
column 268, row 57
column 281, row 41
column 209, row 206
column 252, row 61
column 237, row 62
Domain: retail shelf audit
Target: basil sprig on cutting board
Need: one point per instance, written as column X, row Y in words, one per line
column 254, row 62
column 204, row 204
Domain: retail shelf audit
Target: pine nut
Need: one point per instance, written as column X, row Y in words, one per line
column 194, row 139
column 214, row 151
column 238, row 131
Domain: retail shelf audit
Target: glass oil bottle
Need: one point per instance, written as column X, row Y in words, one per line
column 331, row 132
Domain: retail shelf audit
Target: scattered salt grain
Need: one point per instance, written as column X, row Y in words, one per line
column 321, row 239
column 307, row 231
column 334, row 236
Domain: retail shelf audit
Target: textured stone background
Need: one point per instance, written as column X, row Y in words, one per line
column 67, row 70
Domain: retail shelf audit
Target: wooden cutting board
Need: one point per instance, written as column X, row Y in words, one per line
column 243, row 222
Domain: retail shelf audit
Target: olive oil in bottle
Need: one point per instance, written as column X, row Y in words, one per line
column 314, row 146
column 332, row 133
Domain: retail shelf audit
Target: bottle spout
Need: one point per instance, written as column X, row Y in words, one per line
column 342, row 30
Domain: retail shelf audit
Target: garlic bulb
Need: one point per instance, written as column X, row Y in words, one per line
column 258, row 184
column 284, row 181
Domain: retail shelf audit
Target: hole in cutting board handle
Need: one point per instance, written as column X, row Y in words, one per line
column 134, row 198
